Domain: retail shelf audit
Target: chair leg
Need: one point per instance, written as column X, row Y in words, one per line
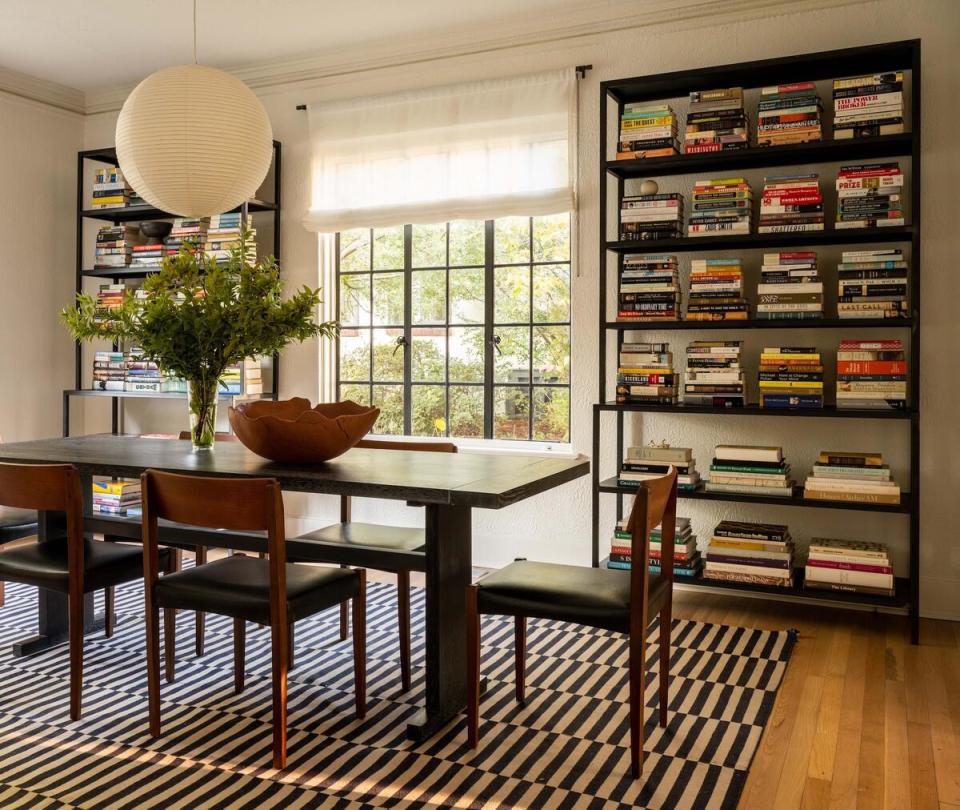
column 520, row 655
column 665, row 628
column 279, row 642
column 403, row 622
column 360, row 645
column 473, row 668
column 153, row 669
column 200, row 557
column 169, row 643
column 76, row 651
column 239, row 653
column 108, row 611
column 637, row 654
column 344, row 619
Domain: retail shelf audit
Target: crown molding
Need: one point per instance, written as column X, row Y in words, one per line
column 42, row 91
column 525, row 30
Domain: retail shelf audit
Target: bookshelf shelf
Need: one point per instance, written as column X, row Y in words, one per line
column 613, row 181
column 87, row 392
column 138, row 213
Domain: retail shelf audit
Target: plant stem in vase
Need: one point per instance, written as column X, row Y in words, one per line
column 202, row 399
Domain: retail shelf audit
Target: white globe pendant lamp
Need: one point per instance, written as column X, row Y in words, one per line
column 193, row 140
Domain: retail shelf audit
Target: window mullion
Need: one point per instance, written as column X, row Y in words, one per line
column 488, row 332
column 407, row 330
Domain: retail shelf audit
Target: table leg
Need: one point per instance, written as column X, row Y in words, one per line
column 448, row 564
column 52, row 613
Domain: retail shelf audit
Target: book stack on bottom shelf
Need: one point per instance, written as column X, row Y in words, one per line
column 714, row 374
column 644, row 463
column 687, row 562
column 790, row 286
column 849, row 566
column 791, row 377
column 645, row 374
column 840, row 475
column 872, row 374
column 751, row 553
column 749, row 470
column 116, row 497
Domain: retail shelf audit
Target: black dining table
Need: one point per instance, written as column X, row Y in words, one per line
column 448, row 486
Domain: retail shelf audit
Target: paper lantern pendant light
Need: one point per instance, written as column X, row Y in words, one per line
column 194, row 141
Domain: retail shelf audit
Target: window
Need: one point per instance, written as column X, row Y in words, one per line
column 459, row 329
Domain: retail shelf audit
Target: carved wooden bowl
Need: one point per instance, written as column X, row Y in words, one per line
column 290, row 431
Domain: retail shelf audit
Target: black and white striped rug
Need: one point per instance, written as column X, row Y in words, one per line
column 568, row 747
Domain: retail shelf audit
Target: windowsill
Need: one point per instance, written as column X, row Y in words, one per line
column 547, row 449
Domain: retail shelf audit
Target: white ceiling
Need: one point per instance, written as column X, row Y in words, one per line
column 93, row 44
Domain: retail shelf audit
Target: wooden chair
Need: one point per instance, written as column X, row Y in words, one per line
column 349, row 534
column 15, row 524
column 74, row 566
column 270, row 591
column 622, row 601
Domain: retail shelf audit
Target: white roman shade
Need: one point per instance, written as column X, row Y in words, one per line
column 472, row 151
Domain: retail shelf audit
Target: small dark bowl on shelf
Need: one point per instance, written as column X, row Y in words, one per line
column 155, row 231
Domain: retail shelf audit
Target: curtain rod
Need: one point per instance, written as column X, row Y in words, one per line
column 581, row 72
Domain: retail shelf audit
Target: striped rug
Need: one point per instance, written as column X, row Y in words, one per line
column 568, row 747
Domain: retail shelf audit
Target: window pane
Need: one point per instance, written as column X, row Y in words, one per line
column 355, row 299
column 429, row 246
column 428, row 411
column 354, row 354
column 429, row 294
column 466, row 354
column 467, row 242
column 511, row 290
column 387, row 356
column 466, row 295
column 511, row 413
column 551, row 238
column 551, row 293
column 466, row 411
column 512, row 362
column 388, row 249
column 511, row 242
column 551, row 414
column 355, row 250
column 388, row 299
column 358, row 393
column 389, row 399
column 551, row 354
column 428, row 358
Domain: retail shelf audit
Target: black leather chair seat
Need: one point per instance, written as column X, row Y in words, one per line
column 16, row 523
column 597, row 597
column 45, row 564
column 239, row 586
column 395, row 538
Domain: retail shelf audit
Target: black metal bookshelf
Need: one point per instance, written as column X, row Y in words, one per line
column 612, row 176
column 142, row 213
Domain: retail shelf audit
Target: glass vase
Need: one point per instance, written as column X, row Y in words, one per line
column 202, row 401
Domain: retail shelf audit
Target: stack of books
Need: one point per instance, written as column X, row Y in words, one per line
column 791, row 377
column 847, row 476
column 872, row 284
column 751, row 553
column 790, row 287
column 115, row 246
column 849, row 566
column 173, row 385
column 651, row 216
column 716, row 121
column 252, row 376
column 148, row 256
column 242, row 378
column 791, row 203
column 645, row 374
column 142, row 374
column 116, row 497
column 109, row 371
column 871, row 374
column 643, row 463
column 716, row 290
column 686, row 559
column 749, row 470
column 647, row 131
column 867, row 106
column 110, row 190
column 714, row 374
column 649, row 289
column 110, row 296
column 722, row 206
column 789, row 113
column 881, row 205
column 192, row 232
column 223, row 235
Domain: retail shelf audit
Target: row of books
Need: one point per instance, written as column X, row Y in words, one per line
column 871, row 283
column 716, row 120
column 111, row 190
column 131, row 371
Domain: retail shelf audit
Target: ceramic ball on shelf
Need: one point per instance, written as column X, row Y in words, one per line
column 649, row 187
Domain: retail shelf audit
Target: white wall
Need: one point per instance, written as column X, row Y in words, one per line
column 556, row 526
column 38, row 153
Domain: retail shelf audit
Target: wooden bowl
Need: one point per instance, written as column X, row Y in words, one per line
column 290, row 431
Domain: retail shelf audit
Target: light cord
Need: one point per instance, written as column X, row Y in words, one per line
column 195, row 32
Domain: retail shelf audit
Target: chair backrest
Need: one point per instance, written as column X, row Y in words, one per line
column 655, row 503
column 386, row 444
